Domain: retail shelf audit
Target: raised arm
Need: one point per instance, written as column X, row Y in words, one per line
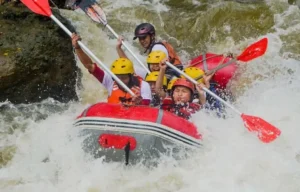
column 120, row 51
column 160, row 79
column 202, row 96
column 83, row 57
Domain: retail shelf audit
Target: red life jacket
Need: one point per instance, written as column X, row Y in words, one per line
column 166, row 103
column 184, row 110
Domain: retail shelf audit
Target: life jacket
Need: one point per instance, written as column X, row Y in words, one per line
column 156, row 100
column 185, row 110
column 173, row 57
column 119, row 96
column 166, row 103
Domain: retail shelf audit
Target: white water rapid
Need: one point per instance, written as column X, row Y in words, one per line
column 47, row 154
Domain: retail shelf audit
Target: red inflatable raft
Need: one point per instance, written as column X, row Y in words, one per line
column 134, row 133
column 210, row 61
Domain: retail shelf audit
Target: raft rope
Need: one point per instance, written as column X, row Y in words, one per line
column 127, row 150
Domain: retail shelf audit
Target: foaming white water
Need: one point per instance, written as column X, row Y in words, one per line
column 49, row 156
column 153, row 4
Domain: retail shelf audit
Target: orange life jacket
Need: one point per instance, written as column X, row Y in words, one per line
column 173, row 57
column 119, row 96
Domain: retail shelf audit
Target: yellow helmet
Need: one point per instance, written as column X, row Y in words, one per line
column 122, row 66
column 194, row 73
column 170, row 84
column 155, row 57
column 153, row 76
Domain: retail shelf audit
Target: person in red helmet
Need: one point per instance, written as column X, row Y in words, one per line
column 182, row 97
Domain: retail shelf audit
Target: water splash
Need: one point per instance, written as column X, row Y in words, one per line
column 48, row 155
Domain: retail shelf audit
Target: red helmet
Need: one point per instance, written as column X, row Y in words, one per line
column 143, row 30
column 185, row 83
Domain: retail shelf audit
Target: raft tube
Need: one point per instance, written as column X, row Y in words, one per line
column 209, row 61
column 133, row 134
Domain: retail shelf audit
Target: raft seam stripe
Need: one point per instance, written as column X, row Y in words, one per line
column 152, row 133
column 168, row 132
column 179, row 134
column 142, row 123
column 144, row 130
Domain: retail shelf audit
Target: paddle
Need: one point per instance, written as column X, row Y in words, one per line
column 95, row 12
column 253, row 51
column 265, row 131
column 42, row 7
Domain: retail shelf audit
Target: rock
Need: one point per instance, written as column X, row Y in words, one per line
column 36, row 58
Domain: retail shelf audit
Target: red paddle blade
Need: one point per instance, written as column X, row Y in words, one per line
column 38, row 6
column 266, row 132
column 253, row 51
column 93, row 10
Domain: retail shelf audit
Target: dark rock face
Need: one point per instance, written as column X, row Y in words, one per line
column 36, row 58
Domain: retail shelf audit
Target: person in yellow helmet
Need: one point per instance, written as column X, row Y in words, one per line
column 123, row 69
column 158, row 90
column 155, row 58
column 167, row 101
column 170, row 84
column 196, row 74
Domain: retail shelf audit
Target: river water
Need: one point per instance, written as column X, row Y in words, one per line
column 40, row 150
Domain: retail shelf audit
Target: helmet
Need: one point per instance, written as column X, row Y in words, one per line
column 170, row 84
column 156, row 57
column 122, row 66
column 194, row 73
column 153, row 77
column 185, row 83
column 144, row 29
